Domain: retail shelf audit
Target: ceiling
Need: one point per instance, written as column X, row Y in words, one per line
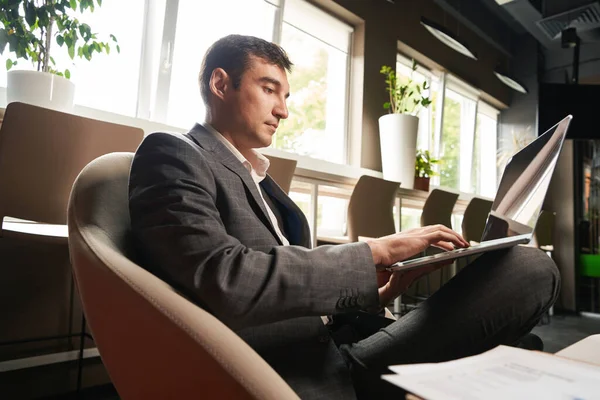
column 502, row 25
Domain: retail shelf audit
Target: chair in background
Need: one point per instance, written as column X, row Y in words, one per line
column 41, row 153
column 437, row 210
column 371, row 208
column 474, row 219
column 209, row 360
column 473, row 225
column 282, row 171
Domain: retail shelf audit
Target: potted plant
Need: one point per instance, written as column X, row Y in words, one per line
column 424, row 169
column 398, row 130
column 29, row 28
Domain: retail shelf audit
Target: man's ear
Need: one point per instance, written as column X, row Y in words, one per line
column 219, row 82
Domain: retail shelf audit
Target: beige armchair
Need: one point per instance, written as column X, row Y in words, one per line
column 153, row 342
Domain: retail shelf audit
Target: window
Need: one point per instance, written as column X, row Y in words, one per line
column 319, row 47
column 483, row 172
column 108, row 82
column 466, row 145
column 458, row 129
column 182, row 105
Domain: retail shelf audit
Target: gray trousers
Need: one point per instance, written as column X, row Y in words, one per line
column 495, row 300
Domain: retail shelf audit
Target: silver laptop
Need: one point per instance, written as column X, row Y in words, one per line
column 518, row 201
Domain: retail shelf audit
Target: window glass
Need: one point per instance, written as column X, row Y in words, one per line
column 483, row 172
column 457, row 141
column 318, row 45
column 199, row 24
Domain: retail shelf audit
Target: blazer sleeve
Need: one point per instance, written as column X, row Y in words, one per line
column 177, row 226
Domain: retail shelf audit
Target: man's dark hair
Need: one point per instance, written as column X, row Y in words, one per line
column 232, row 53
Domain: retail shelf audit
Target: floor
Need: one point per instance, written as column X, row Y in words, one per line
column 566, row 329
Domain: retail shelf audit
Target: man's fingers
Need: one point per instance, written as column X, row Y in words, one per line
column 443, row 228
column 442, row 236
column 444, row 245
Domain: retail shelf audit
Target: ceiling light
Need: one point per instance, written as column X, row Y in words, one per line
column 511, row 83
column 446, row 37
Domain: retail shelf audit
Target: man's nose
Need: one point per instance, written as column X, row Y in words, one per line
column 281, row 111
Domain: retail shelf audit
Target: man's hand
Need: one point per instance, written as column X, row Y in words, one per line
column 393, row 284
column 400, row 246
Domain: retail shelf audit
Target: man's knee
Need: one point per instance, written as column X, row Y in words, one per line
column 536, row 269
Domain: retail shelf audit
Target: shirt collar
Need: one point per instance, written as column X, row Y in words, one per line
column 258, row 164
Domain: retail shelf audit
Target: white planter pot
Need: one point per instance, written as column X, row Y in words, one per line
column 41, row 89
column 398, row 139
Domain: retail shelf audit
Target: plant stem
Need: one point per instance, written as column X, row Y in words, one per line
column 46, row 65
column 39, row 58
column 392, row 107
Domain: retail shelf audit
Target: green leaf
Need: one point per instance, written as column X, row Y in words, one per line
column 60, row 40
column 118, row 49
column 386, row 105
column 42, row 14
column 67, row 74
column 72, row 52
column 99, row 3
column 73, row 4
column 9, row 64
column 113, row 37
column 30, row 13
column 3, row 40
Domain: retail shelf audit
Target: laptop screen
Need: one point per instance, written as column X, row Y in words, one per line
column 524, row 184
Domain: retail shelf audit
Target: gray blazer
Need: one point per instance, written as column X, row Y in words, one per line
column 199, row 223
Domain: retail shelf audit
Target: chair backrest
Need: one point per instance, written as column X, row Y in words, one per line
column 371, row 208
column 154, row 343
column 282, row 171
column 438, row 208
column 544, row 229
column 475, row 217
column 41, row 153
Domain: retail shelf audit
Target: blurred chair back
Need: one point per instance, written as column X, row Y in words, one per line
column 544, row 230
column 438, row 208
column 371, row 208
column 41, row 153
column 282, row 171
column 474, row 219
column 154, row 343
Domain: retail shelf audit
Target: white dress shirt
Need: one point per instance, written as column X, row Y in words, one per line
column 257, row 167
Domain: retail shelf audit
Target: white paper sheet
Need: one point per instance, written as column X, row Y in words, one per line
column 501, row 373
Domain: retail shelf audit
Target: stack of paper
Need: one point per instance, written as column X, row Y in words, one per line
column 501, row 373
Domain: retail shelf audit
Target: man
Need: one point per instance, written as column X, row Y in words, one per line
column 207, row 219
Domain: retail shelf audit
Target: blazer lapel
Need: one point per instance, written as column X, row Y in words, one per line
column 294, row 220
column 207, row 141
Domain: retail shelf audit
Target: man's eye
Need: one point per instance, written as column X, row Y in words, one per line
column 269, row 90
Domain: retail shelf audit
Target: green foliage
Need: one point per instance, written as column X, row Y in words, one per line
column 450, row 154
column 424, row 164
column 406, row 95
column 28, row 25
column 308, row 103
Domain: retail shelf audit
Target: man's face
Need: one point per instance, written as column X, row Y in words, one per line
column 256, row 107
